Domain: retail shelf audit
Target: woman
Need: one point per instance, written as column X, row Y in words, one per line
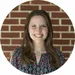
column 37, row 55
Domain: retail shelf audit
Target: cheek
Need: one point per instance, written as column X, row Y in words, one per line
column 45, row 31
column 31, row 30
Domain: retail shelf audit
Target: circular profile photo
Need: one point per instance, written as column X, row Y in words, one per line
column 37, row 37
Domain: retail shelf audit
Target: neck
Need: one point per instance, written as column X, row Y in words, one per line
column 39, row 47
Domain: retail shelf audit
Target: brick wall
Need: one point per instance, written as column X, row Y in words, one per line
column 13, row 26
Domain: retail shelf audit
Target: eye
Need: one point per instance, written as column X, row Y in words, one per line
column 43, row 26
column 33, row 26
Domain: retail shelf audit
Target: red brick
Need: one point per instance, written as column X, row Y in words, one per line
column 66, row 55
column 17, row 28
column 19, row 14
column 68, row 35
column 66, row 22
column 23, row 21
column 72, row 28
column 54, row 21
column 10, row 35
column 18, row 41
column 61, row 42
column 67, row 48
column 7, row 16
column 7, row 54
column 72, row 42
column 22, row 35
column 56, row 35
column 5, row 41
column 57, row 47
column 9, row 48
column 16, row 8
column 29, row 7
column 10, row 21
column 28, row 2
column 40, row 2
column 50, row 8
column 66, row 60
column 9, row 60
column 4, row 28
column 60, row 28
column 59, row 15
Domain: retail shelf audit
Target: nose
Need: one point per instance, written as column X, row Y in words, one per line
column 38, row 30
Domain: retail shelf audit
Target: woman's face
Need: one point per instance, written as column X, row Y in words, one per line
column 38, row 29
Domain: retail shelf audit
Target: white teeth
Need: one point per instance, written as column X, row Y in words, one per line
column 38, row 36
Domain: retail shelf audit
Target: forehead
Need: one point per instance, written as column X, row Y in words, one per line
column 37, row 18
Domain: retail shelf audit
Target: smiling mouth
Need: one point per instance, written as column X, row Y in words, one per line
column 38, row 35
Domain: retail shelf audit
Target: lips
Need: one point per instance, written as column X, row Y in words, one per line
column 38, row 35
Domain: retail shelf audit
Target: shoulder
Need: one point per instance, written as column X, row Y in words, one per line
column 16, row 54
column 60, row 55
column 58, row 52
column 17, row 51
column 15, row 60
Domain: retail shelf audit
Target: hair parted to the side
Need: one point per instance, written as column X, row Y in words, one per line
column 27, row 46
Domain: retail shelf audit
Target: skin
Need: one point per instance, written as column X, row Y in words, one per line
column 38, row 33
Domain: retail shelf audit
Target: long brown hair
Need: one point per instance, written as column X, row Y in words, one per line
column 27, row 46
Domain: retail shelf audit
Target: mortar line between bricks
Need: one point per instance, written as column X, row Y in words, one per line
column 63, row 38
column 63, row 32
column 11, row 45
column 12, row 31
column 22, row 11
column 67, row 52
column 20, row 45
column 8, row 51
column 69, row 28
column 13, row 38
column 62, row 45
column 12, row 18
column 23, row 31
column 13, row 24
column 53, row 38
column 50, row 17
